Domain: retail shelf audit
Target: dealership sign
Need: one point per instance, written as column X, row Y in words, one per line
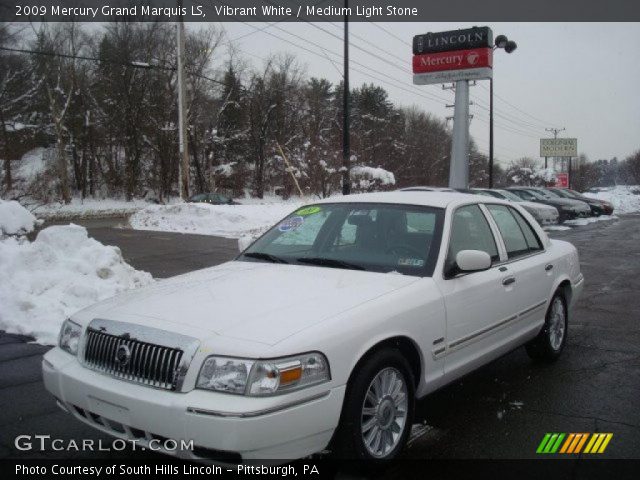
column 449, row 76
column 476, row 37
column 455, row 60
column 558, row 147
column 562, row 180
column 453, row 56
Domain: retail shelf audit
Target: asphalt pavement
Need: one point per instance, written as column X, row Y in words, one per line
column 501, row 411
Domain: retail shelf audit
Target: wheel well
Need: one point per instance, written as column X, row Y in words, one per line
column 565, row 289
column 405, row 345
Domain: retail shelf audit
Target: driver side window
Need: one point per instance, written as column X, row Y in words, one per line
column 470, row 231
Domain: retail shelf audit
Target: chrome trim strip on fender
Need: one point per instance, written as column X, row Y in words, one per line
column 531, row 309
column 459, row 343
column 257, row 413
column 471, row 336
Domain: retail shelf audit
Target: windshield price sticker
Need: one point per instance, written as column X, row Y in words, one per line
column 308, row 211
column 291, row 224
column 410, row 262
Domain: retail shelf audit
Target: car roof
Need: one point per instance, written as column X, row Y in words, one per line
column 440, row 199
column 420, row 188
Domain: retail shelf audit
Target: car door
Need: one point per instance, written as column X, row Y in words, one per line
column 528, row 267
column 477, row 303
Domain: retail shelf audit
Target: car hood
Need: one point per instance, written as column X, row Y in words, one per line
column 537, row 206
column 258, row 302
column 563, row 201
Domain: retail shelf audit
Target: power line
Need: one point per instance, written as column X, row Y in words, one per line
column 519, row 109
column 133, row 64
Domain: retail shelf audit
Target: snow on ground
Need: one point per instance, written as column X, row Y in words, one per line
column 550, row 228
column 61, row 272
column 622, row 197
column 231, row 221
column 14, row 219
column 586, row 221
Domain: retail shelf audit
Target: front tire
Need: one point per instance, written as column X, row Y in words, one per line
column 550, row 342
column 378, row 409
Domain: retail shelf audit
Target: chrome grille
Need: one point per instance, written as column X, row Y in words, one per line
column 148, row 364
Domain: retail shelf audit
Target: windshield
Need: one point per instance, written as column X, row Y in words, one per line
column 510, row 196
column 547, row 195
column 535, row 194
column 552, row 194
column 358, row 236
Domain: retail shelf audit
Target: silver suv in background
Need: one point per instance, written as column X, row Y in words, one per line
column 544, row 214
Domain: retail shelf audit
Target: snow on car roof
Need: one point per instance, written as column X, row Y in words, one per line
column 440, row 199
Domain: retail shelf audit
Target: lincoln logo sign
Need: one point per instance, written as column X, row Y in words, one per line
column 477, row 37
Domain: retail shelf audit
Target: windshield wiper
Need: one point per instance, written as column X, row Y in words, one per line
column 329, row 262
column 265, row 256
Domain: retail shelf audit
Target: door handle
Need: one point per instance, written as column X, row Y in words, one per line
column 508, row 281
column 549, row 267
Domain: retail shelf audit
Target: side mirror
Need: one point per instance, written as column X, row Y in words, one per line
column 473, row 260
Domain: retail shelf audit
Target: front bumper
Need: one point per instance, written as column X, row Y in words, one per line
column 221, row 426
column 548, row 218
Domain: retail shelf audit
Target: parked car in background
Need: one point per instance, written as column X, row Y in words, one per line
column 544, row 214
column 568, row 209
column 598, row 207
column 213, row 199
column 323, row 333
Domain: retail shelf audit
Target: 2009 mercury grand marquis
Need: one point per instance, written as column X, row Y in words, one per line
column 322, row 333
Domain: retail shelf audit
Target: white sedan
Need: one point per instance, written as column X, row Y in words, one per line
column 324, row 332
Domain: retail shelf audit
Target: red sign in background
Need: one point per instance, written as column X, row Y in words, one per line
column 454, row 60
column 562, row 180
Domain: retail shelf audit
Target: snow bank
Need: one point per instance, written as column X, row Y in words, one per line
column 15, row 219
column 231, row 221
column 90, row 207
column 384, row 177
column 62, row 271
column 622, row 197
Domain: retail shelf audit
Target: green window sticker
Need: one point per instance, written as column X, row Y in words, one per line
column 308, row 211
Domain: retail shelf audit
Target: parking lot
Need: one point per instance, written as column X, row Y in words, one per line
column 500, row 411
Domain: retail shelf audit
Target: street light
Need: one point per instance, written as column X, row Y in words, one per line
column 508, row 46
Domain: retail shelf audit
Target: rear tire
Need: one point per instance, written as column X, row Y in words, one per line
column 550, row 342
column 378, row 409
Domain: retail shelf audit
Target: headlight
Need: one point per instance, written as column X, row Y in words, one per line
column 70, row 336
column 263, row 377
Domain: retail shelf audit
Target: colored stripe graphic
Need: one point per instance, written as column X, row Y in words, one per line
column 574, row 443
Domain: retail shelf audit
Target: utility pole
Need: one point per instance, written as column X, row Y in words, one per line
column 555, row 132
column 346, row 147
column 183, row 164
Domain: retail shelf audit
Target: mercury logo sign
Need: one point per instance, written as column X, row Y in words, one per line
column 456, row 60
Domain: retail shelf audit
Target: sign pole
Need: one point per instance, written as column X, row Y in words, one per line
column 459, row 168
column 569, row 173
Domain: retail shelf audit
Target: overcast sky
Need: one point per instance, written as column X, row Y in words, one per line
column 581, row 76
